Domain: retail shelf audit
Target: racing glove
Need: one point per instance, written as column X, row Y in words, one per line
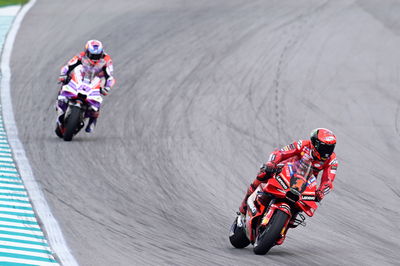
column 104, row 91
column 321, row 192
column 319, row 195
column 62, row 79
column 268, row 168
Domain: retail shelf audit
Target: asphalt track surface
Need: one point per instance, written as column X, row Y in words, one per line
column 205, row 91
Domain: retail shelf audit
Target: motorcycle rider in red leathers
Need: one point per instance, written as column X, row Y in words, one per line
column 319, row 149
column 94, row 59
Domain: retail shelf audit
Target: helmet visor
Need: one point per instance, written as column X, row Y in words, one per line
column 325, row 150
column 95, row 56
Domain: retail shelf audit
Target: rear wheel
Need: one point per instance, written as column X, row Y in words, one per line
column 268, row 235
column 72, row 123
column 237, row 235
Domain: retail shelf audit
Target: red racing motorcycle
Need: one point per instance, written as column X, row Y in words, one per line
column 276, row 206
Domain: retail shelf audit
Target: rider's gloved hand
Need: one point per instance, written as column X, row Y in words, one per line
column 104, row 91
column 321, row 192
column 268, row 168
column 319, row 195
column 62, row 79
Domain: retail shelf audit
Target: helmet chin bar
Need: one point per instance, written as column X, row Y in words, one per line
column 315, row 154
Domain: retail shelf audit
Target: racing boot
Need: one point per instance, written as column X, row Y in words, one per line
column 262, row 176
column 243, row 206
column 61, row 107
column 91, row 124
column 59, row 127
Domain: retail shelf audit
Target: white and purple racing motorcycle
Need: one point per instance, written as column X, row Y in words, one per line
column 82, row 97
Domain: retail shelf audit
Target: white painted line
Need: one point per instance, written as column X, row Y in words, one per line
column 19, row 197
column 23, row 261
column 5, row 179
column 22, row 218
column 36, row 233
column 2, row 209
column 17, row 212
column 39, row 241
column 5, row 159
column 4, row 170
column 29, row 253
column 28, row 226
column 50, row 224
column 7, row 164
column 5, row 186
column 22, row 193
column 17, row 204
column 9, row 174
column 24, row 245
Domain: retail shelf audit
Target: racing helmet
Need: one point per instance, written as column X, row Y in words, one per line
column 94, row 50
column 323, row 143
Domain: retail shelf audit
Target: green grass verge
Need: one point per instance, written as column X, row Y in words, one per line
column 12, row 2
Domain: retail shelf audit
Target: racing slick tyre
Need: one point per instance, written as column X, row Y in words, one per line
column 237, row 236
column 268, row 235
column 72, row 123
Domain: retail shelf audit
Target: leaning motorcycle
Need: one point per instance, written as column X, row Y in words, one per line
column 82, row 94
column 274, row 206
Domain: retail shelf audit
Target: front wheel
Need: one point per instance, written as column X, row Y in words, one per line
column 72, row 123
column 267, row 236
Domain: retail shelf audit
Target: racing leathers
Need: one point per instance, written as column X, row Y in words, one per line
column 102, row 68
column 301, row 149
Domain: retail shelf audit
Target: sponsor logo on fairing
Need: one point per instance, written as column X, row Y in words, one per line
column 311, row 180
column 281, row 182
column 308, row 198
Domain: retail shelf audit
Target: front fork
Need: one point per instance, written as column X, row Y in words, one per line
column 78, row 104
column 271, row 210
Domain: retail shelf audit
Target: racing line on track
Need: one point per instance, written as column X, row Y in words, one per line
column 22, row 241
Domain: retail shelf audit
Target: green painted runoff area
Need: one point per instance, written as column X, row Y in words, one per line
column 12, row 2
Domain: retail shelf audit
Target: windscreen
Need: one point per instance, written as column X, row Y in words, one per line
column 300, row 172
